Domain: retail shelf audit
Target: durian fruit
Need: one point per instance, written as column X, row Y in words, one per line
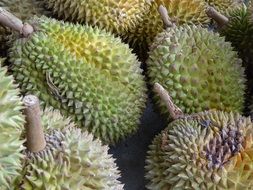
column 11, row 122
column 63, row 157
column 224, row 6
column 207, row 150
column 180, row 11
column 114, row 16
column 23, row 9
column 85, row 72
column 237, row 27
column 199, row 68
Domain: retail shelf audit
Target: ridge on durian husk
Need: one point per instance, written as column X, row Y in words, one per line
column 208, row 150
column 113, row 16
column 11, row 124
column 180, row 12
column 225, row 6
column 22, row 9
column 71, row 160
column 198, row 68
column 86, row 73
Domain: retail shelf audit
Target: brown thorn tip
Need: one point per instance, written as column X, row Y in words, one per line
column 34, row 130
column 165, row 16
column 218, row 17
column 175, row 112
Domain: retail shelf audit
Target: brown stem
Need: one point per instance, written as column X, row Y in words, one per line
column 175, row 112
column 34, row 130
column 9, row 20
column 165, row 16
column 218, row 17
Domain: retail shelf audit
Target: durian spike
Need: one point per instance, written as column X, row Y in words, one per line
column 218, row 17
column 175, row 112
column 34, row 130
column 9, row 20
column 165, row 16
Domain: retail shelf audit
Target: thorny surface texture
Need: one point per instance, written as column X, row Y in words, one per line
column 208, row 150
column 223, row 146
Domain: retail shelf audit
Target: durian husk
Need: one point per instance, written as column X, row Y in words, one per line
column 70, row 160
column 239, row 30
column 11, row 124
column 179, row 157
column 225, row 6
column 198, row 68
column 113, row 16
column 180, row 12
column 86, row 73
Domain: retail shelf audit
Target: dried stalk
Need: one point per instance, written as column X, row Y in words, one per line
column 34, row 130
column 175, row 112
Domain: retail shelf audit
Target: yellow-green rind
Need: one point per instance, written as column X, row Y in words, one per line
column 71, row 160
column 86, row 73
column 11, row 126
column 180, row 12
column 199, row 69
column 113, row 16
column 225, row 6
column 179, row 156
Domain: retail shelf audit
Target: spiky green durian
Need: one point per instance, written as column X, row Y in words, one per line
column 23, row 9
column 224, row 6
column 114, row 16
column 199, row 68
column 180, row 11
column 239, row 29
column 70, row 160
column 202, row 151
column 85, row 72
column 208, row 150
column 11, row 123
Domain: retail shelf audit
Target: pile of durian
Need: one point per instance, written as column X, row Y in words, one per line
column 75, row 76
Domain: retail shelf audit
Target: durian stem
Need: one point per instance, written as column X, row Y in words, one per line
column 9, row 20
column 34, row 130
column 175, row 112
column 218, row 17
column 165, row 16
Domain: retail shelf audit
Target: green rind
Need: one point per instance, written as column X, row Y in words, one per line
column 239, row 30
column 71, row 160
column 11, row 125
column 103, row 89
column 198, row 68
